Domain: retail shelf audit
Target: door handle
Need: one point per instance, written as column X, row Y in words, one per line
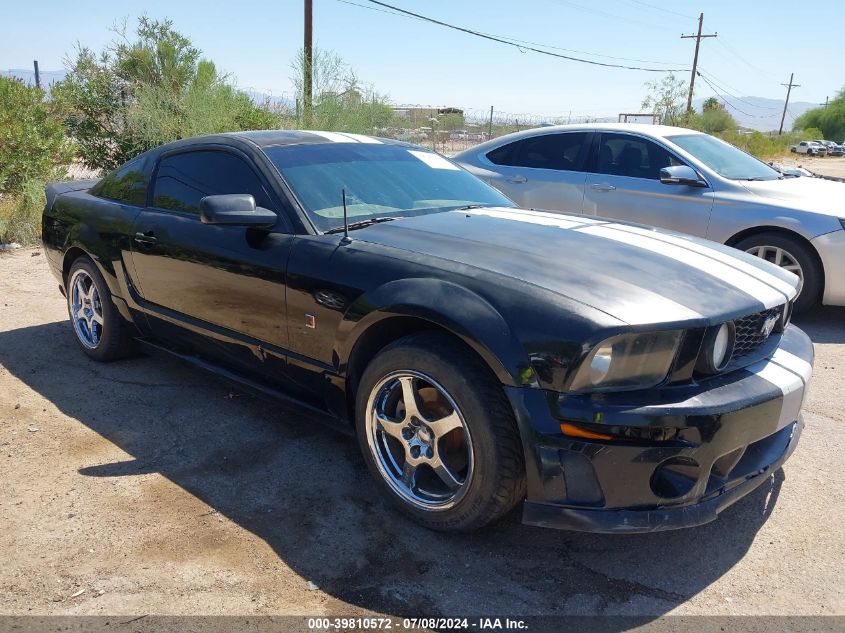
column 517, row 180
column 147, row 238
column 602, row 186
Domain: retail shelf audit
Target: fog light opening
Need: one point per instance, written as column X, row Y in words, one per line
column 675, row 477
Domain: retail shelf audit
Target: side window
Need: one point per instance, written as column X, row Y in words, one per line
column 632, row 156
column 126, row 184
column 184, row 179
column 503, row 155
column 548, row 151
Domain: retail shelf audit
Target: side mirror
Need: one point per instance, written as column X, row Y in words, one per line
column 681, row 175
column 235, row 209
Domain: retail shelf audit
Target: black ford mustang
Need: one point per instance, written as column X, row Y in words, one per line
column 614, row 377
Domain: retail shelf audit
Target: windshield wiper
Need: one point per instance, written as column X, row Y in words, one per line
column 360, row 225
column 471, row 206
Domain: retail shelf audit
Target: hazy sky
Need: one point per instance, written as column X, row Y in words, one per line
column 759, row 44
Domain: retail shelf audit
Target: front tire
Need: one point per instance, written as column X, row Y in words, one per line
column 98, row 326
column 791, row 255
column 439, row 435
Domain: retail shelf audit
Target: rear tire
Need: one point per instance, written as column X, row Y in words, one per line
column 464, row 428
column 100, row 330
column 767, row 245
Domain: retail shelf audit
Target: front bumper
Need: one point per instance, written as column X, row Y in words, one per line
column 831, row 250
column 708, row 446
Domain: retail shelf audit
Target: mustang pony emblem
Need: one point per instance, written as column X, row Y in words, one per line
column 768, row 325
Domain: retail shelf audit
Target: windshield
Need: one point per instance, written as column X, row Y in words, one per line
column 381, row 180
column 726, row 160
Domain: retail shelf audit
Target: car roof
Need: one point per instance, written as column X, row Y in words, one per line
column 655, row 131
column 642, row 128
column 270, row 138
column 276, row 138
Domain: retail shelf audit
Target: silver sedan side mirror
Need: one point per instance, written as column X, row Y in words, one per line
column 681, row 175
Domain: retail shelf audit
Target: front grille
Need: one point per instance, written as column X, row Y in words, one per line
column 749, row 334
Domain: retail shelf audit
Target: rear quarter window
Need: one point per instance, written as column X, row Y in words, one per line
column 563, row 152
column 126, row 184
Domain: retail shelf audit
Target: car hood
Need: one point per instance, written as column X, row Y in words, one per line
column 636, row 274
column 809, row 194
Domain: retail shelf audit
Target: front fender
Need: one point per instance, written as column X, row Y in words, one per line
column 462, row 312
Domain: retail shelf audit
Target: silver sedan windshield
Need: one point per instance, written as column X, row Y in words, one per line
column 723, row 158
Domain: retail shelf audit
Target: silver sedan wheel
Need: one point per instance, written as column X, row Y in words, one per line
column 779, row 257
column 419, row 440
column 86, row 309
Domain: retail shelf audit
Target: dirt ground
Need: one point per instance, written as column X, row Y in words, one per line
column 145, row 486
column 825, row 166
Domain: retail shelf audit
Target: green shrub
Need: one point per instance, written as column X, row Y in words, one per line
column 138, row 94
column 20, row 214
column 32, row 141
column 340, row 102
column 830, row 120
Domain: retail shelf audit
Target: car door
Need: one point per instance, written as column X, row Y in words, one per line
column 211, row 290
column 624, row 183
column 542, row 172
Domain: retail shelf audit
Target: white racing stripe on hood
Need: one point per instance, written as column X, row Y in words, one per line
column 777, row 283
column 748, row 284
column 634, row 310
column 532, row 217
column 334, row 137
column 790, row 385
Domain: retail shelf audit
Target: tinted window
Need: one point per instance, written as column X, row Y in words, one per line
column 184, row 179
column 126, row 184
column 380, row 180
column 549, row 151
column 625, row 155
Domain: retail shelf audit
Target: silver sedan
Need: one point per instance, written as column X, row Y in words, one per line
column 682, row 180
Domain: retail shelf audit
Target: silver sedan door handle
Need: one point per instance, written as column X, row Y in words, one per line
column 602, row 186
column 517, row 180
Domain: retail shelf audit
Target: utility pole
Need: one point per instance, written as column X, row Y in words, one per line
column 37, row 74
column 490, row 125
column 308, row 57
column 789, row 88
column 697, row 39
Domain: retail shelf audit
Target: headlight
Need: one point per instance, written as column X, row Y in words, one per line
column 627, row 361
column 717, row 348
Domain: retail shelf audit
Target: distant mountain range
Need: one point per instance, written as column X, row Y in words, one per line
column 756, row 113
column 759, row 113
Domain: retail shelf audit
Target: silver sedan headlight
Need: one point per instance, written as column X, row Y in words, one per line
column 637, row 360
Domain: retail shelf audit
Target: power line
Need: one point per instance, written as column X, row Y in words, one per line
column 613, row 16
column 723, row 98
column 519, row 41
column 652, row 6
column 502, row 40
column 733, row 52
column 721, row 85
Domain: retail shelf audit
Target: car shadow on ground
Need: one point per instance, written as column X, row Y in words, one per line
column 304, row 490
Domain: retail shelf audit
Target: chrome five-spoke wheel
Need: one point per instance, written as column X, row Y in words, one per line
column 86, row 309
column 779, row 257
column 419, row 440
